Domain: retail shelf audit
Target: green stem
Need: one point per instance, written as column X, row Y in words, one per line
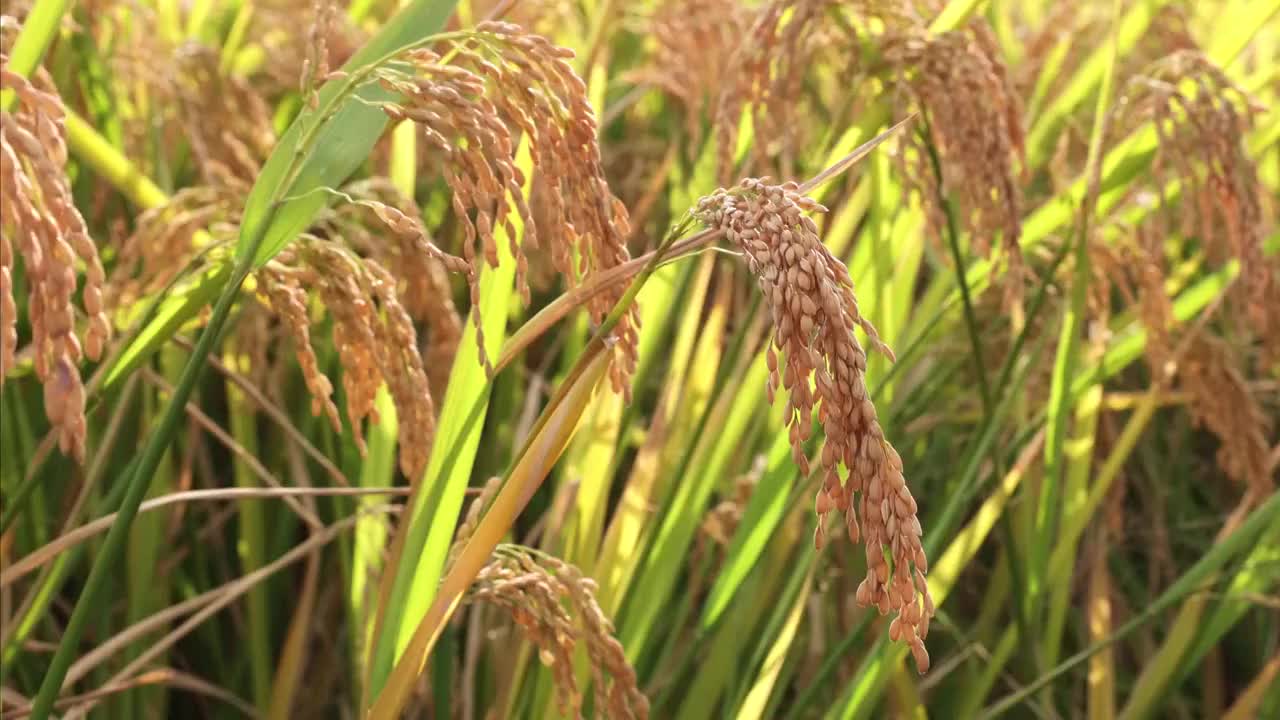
column 953, row 239
column 100, row 155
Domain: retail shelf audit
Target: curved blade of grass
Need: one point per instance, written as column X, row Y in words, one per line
column 955, row 14
column 173, row 312
column 1259, row 574
column 730, row 416
column 251, row 547
column 634, row 517
column 146, row 591
column 1248, row 704
column 576, row 297
column 376, row 470
column 293, row 658
column 1236, row 28
column 760, row 520
column 730, row 644
column 756, row 702
column 425, row 532
column 592, row 468
column 1098, row 614
column 795, row 559
column 560, row 420
column 1078, row 457
column 104, row 159
column 1199, row 625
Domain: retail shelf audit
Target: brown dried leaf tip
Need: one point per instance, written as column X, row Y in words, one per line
column 499, row 78
column 814, row 311
column 38, row 212
column 556, row 607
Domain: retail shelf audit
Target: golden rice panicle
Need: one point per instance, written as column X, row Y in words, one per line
column 1222, row 402
column 324, row 37
column 543, row 17
column 39, row 216
column 226, row 121
column 174, row 92
column 721, row 522
column 419, row 267
column 372, row 332
column 497, row 78
column 164, row 241
column 533, row 597
column 1155, row 308
column 694, row 42
column 315, row 66
column 1202, row 120
column 556, row 608
column 283, row 293
column 376, row 343
column 962, row 87
column 616, row 692
column 471, row 520
column 815, row 314
column 768, row 68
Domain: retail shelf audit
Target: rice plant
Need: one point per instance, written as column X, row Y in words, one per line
column 668, row 359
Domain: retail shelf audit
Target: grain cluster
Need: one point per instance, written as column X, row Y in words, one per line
column 500, row 87
column 555, row 606
column 823, row 367
column 40, row 224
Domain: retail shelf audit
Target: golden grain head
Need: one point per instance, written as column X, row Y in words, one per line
column 555, row 606
column 1202, row 119
column 166, row 239
column 823, row 367
column 501, row 80
column 693, row 46
column 471, row 519
column 1203, row 187
column 375, row 338
column 385, row 226
column 974, row 126
column 227, row 122
column 376, row 342
column 766, row 82
column 1222, row 402
column 40, row 223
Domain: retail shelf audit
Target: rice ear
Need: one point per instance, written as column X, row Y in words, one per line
column 37, row 206
column 823, row 368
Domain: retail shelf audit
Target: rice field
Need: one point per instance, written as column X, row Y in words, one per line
column 673, row 359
